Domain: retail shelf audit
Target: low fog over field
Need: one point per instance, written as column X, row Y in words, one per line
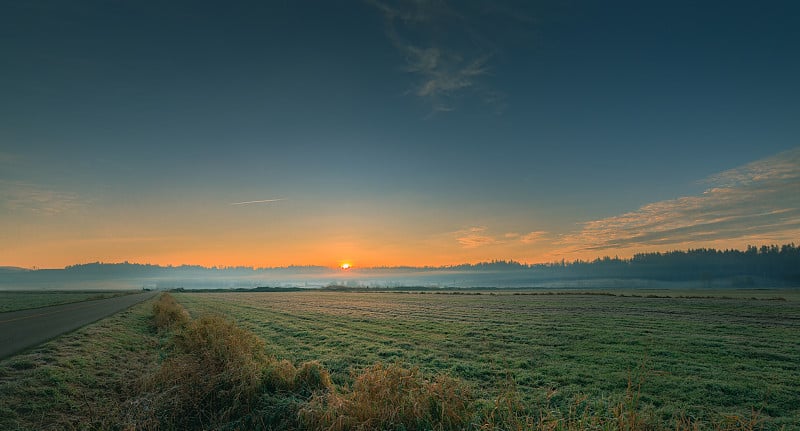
column 768, row 266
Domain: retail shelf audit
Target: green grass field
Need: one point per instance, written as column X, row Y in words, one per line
column 566, row 358
column 22, row 300
column 703, row 358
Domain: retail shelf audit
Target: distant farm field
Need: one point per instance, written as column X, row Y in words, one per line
column 702, row 358
column 22, row 300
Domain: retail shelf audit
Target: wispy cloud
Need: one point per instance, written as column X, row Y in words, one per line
column 442, row 74
column 26, row 197
column 262, row 201
column 442, row 49
column 474, row 237
column 479, row 236
column 532, row 237
column 760, row 199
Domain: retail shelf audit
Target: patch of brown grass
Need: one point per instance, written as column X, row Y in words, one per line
column 312, row 378
column 214, row 376
column 279, row 376
column 387, row 397
column 168, row 314
column 218, row 373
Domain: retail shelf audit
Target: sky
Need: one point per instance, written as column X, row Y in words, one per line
column 385, row 133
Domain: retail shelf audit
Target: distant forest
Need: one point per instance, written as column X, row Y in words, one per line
column 768, row 265
column 766, row 262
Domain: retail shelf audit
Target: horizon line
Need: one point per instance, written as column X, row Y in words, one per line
column 356, row 267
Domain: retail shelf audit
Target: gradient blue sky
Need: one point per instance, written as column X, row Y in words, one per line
column 394, row 132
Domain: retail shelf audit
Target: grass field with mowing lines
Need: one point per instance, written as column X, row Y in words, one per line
column 23, row 300
column 703, row 357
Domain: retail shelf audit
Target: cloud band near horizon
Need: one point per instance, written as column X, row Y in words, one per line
column 758, row 201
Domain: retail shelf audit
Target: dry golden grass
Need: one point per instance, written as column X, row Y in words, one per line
column 217, row 373
column 312, row 378
column 213, row 376
column 391, row 397
column 168, row 314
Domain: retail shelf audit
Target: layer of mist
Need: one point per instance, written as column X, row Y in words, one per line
column 767, row 266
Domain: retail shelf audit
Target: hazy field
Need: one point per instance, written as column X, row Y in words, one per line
column 21, row 300
column 702, row 357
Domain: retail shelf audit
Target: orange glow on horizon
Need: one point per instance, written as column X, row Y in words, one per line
column 247, row 249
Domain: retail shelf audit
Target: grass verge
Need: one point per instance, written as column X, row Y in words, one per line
column 82, row 380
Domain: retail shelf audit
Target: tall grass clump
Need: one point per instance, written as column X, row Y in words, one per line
column 391, row 397
column 218, row 375
column 508, row 413
column 168, row 314
column 311, row 378
column 214, row 376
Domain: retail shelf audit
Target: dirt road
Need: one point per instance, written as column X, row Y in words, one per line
column 23, row 329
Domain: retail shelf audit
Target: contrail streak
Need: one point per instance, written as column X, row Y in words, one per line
column 257, row 202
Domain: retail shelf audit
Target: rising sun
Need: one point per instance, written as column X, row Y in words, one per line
column 345, row 266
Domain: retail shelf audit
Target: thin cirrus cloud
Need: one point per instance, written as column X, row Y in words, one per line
column 474, row 237
column 531, row 237
column 760, row 200
column 444, row 70
column 20, row 196
column 478, row 236
column 262, row 201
